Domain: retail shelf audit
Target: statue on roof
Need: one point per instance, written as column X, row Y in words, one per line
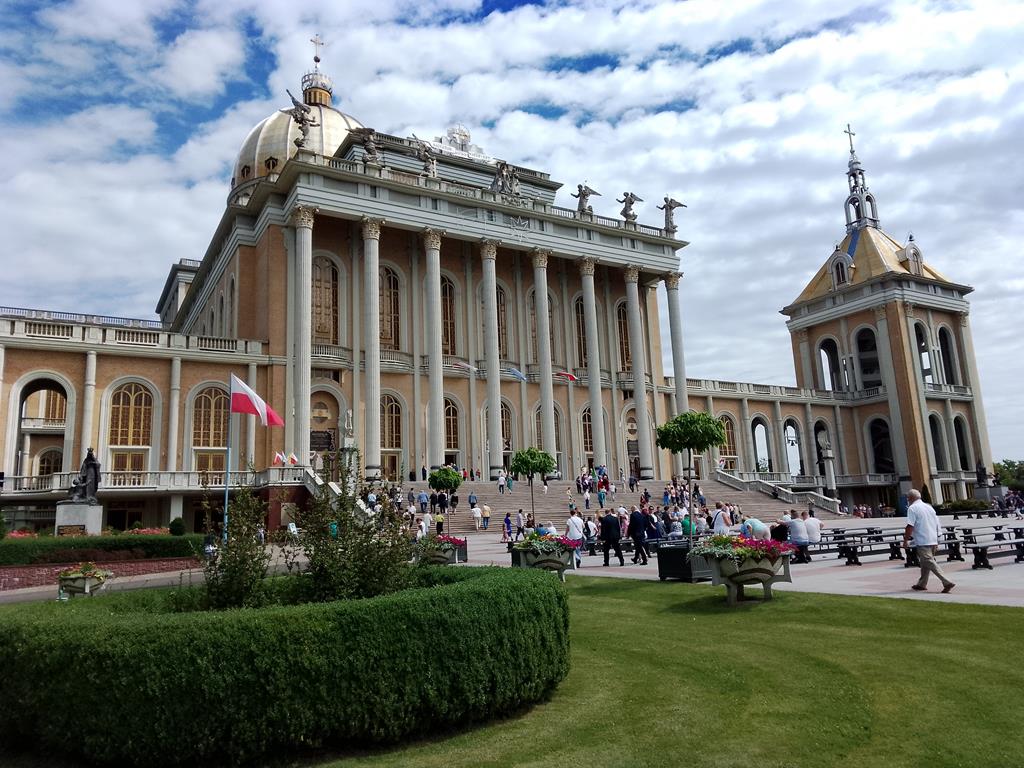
column 502, row 182
column 302, row 115
column 670, row 216
column 627, row 212
column 426, row 156
column 370, row 151
column 583, row 193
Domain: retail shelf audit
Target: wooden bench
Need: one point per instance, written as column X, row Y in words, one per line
column 874, row 543
column 949, row 543
column 1003, row 542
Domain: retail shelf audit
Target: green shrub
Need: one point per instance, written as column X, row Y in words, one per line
column 30, row 551
column 965, row 505
column 176, row 527
column 121, row 679
column 235, row 571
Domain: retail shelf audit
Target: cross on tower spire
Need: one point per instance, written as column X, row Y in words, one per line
column 850, row 134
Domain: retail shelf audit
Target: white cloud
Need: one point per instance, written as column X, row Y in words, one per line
column 199, row 61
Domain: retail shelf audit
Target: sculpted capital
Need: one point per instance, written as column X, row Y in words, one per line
column 489, row 249
column 432, row 239
column 632, row 274
column 802, row 334
column 587, row 266
column 672, row 280
column 880, row 313
column 371, row 229
column 964, row 318
column 540, row 258
column 302, row 216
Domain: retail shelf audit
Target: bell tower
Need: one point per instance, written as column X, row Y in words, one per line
column 887, row 337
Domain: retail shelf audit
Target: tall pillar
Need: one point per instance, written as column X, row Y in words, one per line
column 495, row 446
column 636, row 346
column 172, row 416
column 888, row 372
column 675, row 321
column 779, row 438
column 931, row 477
column 302, row 220
column 88, row 402
column 435, row 366
column 371, row 341
column 982, row 449
column 809, row 444
column 593, row 362
column 547, row 395
column 749, row 448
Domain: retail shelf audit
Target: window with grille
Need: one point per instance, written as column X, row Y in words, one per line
column 390, row 310
column 625, row 358
column 451, row 425
column 581, row 334
column 325, row 301
column 588, row 432
column 131, row 415
column 448, row 341
column 390, row 422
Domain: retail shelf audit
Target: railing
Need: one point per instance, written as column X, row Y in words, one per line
column 394, row 357
column 73, row 317
column 36, row 422
column 216, row 344
column 782, row 493
column 949, row 389
column 159, row 480
column 625, row 378
column 132, row 336
column 815, row 480
column 768, row 477
column 873, row 478
column 332, row 351
column 49, row 330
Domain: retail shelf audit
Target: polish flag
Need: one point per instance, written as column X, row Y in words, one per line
column 244, row 400
column 293, row 459
column 279, row 458
column 466, row 366
column 566, row 375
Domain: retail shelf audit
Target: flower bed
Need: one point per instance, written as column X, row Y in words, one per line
column 347, row 673
column 740, row 548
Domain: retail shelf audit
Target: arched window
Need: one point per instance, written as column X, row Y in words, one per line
column 50, row 461
column 727, row 452
column 581, row 333
column 938, row 444
column 502, row 323
column 881, row 447
column 448, row 340
column 534, row 352
column 839, row 271
column 961, row 443
column 213, row 321
column 506, row 427
column 210, row 429
column 588, row 431
column 451, row 425
column 949, row 367
column 56, row 407
column 231, row 308
column 325, row 301
column 794, row 459
column 223, row 317
column 822, row 443
column 828, row 355
column 390, row 422
column 390, row 310
column 539, row 433
column 924, row 357
column 867, row 358
column 622, row 321
column 762, row 448
column 130, row 433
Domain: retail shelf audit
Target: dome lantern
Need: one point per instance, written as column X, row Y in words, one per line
column 317, row 88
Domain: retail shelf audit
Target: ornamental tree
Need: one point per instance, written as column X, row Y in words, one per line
column 444, row 479
column 691, row 431
column 530, row 462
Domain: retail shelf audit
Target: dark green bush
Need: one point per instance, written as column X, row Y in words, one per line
column 121, row 679
column 965, row 505
column 236, row 570
column 29, row 551
column 176, row 527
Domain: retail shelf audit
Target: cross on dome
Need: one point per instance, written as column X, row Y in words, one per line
column 318, row 43
column 850, row 134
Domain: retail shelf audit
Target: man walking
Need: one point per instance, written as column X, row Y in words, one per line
column 638, row 532
column 611, row 532
column 922, row 533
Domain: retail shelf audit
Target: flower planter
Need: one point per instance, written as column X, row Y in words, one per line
column 81, row 585
column 440, row 556
column 735, row 575
column 559, row 562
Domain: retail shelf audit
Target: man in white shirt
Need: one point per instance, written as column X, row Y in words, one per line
column 574, row 530
column 922, row 533
column 797, row 535
column 813, row 528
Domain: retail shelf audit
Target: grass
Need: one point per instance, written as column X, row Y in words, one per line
column 665, row 675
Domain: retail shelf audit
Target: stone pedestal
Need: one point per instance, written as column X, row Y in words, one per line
column 989, row 493
column 78, row 518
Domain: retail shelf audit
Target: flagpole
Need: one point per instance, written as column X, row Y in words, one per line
column 227, row 475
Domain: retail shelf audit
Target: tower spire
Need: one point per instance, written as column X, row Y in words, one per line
column 317, row 88
column 861, row 210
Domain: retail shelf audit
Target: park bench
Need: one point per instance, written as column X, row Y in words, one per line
column 875, row 542
column 948, row 543
column 1004, row 542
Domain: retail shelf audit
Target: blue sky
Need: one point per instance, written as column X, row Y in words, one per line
column 119, row 123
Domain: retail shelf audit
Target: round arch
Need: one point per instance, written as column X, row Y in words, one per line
column 26, row 385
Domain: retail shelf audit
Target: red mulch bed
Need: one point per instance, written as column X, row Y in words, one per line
column 21, row 576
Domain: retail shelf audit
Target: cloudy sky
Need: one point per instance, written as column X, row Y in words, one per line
column 119, row 122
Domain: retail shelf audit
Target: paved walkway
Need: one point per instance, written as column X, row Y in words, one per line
column 878, row 577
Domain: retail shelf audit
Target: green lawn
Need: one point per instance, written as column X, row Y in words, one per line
column 663, row 674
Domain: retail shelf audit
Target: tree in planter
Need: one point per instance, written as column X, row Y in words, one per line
column 530, row 462
column 691, row 431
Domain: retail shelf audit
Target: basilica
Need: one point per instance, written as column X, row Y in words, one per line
column 416, row 302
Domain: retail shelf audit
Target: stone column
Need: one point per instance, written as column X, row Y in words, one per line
column 172, row 416
column 302, row 220
column 749, row 448
column 636, row 346
column 593, row 362
column 931, row 466
column 779, row 438
column 809, row 379
column 977, row 409
column 952, row 449
column 547, row 395
column 810, row 445
column 88, row 402
column 888, row 372
column 488, row 255
column 675, row 321
column 371, row 342
column 435, row 367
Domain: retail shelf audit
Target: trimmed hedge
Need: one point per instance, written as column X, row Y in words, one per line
column 120, row 679
column 43, row 549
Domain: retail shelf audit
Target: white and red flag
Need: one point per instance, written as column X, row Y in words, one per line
column 466, row 366
column 566, row 375
column 244, row 400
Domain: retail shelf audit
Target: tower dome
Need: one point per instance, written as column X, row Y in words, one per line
column 277, row 138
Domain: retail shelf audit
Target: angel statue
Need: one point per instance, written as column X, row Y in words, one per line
column 370, row 152
column 583, row 193
column 670, row 213
column 628, row 198
column 301, row 114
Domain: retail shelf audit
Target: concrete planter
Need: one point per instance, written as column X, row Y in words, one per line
column 80, row 585
column 558, row 562
column 735, row 575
